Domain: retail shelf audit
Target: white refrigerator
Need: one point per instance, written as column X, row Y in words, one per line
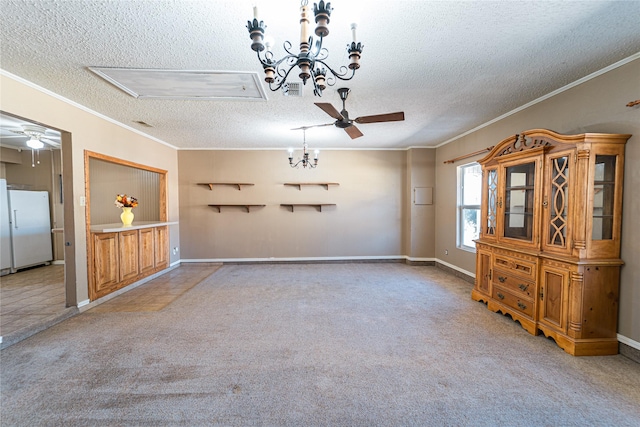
column 5, row 230
column 30, row 228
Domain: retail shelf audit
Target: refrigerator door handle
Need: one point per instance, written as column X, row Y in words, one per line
column 15, row 218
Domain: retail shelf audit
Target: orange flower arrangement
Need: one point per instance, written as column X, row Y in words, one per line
column 124, row 201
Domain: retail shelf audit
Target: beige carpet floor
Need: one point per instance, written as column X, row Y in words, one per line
column 311, row 345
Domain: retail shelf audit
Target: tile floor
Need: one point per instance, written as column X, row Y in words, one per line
column 31, row 297
column 34, row 299
column 159, row 292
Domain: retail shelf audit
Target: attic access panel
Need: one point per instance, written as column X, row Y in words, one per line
column 145, row 83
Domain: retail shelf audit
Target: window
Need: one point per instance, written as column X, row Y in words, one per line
column 469, row 195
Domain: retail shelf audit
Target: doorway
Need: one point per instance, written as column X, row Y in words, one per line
column 38, row 292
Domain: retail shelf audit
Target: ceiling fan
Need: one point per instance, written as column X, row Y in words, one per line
column 344, row 122
column 37, row 136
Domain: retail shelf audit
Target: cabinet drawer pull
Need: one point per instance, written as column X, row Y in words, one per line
column 523, row 286
column 500, row 295
column 522, row 306
column 502, row 279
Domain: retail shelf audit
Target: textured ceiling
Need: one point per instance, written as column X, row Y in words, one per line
column 450, row 66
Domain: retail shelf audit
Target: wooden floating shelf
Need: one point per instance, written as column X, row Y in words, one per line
column 247, row 207
column 318, row 206
column 234, row 184
column 301, row 184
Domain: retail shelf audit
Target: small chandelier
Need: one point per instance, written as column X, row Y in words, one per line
column 311, row 54
column 306, row 162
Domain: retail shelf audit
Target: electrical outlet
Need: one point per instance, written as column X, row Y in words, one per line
column 83, row 201
column 446, row 252
column 175, row 250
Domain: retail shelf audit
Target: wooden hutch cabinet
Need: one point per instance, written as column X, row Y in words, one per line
column 548, row 253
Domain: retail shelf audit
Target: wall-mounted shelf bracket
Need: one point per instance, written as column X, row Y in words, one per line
column 301, row 184
column 234, row 184
column 247, row 207
column 318, row 206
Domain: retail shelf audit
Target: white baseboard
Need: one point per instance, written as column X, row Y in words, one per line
column 298, row 259
column 413, row 259
column 58, row 262
column 629, row 342
column 83, row 303
column 455, row 267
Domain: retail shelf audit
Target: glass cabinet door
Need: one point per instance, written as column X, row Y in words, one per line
column 557, row 202
column 603, row 197
column 519, row 201
column 491, row 188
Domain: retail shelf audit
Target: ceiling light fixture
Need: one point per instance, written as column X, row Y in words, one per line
column 34, row 132
column 311, row 54
column 306, row 162
column 34, row 143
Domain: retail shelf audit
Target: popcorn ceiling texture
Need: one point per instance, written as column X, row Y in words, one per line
column 450, row 66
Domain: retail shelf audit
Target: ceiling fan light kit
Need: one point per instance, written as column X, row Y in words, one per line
column 35, row 143
column 34, row 132
column 312, row 56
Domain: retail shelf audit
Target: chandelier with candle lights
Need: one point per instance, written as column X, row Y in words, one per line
column 305, row 161
column 312, row 56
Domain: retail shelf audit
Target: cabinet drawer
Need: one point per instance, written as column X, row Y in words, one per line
column 523, row 305
column 520, row 266
column 514, row 283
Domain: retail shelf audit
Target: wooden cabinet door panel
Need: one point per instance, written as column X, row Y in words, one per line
column 484, row 278
column 519, row 199
column 554, row 286
column 162, row 247
column 557, row 203
column 106, row 265
column 147, row 250
column 128, row 254
column 600, row 301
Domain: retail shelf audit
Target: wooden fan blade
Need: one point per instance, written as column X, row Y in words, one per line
column 390, row 117
column 353, row 132
column 329, row 109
